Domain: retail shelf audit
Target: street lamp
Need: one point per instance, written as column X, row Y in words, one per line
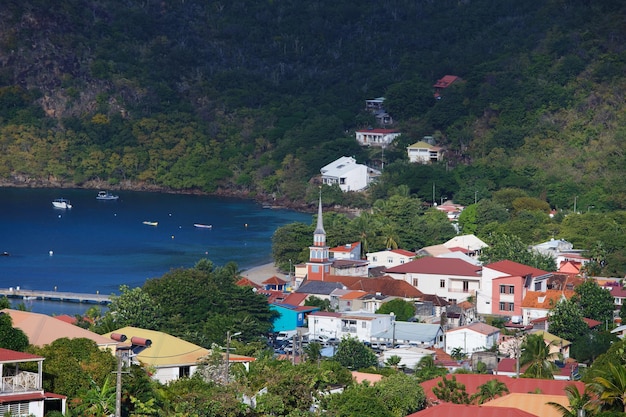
column 228, row 337
column 137, row 344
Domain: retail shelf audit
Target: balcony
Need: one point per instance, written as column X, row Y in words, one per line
column 21, row 382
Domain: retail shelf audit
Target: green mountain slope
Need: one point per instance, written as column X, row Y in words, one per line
column 254, row 97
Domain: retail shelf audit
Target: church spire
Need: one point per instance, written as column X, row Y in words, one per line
column 319, row 229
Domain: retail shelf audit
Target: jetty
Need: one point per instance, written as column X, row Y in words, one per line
column 71, row 297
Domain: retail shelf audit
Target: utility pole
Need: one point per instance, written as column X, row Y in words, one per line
column 228, row 337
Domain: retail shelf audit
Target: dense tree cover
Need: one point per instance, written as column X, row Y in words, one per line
column 505, row 247
column 403, row 310
column 354, row 355
column 199, row 304
column 255, row 98
column 10, row 337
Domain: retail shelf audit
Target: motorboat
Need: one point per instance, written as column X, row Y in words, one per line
column 151, row 223
column 106, row 196
column 62, row 203
column 203, row 226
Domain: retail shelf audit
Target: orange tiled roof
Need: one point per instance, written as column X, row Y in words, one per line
column 545, row 299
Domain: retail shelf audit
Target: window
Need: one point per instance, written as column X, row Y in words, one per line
column 374, row 259
column 184, row 371
column 363, row 325
column 401, row 261
column 511, row 289
column 502, row 289
column 442, row 283
column 390, row 260
column 465, row 286
column 502, row 306
column 415, row 282
column 511, row 307
column 315, row 268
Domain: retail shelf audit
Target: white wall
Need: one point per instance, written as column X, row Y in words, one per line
column 468, row 340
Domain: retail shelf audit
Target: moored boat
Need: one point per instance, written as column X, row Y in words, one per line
column 203, row 226
column 62, row 203
column 106, row 196
column 151, row 223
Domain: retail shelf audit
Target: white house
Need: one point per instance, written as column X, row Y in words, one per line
column 473, row 244
column 472, row 338
column 21, row 392
column 346, row 173
column 404, row 333
column 424, row 153
column 376, row 137
column 452, row 279
column 389, row 258
column 409, row 357
column 172, row 358
column 356, row 324
column 348, row 251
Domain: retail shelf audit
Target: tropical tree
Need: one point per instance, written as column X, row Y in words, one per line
column 354, row 355
column 426, row 369
column 536, row 354
column 393, row 361
column 96, row 401
column 594, row 301
column 610, row 386
column 566, row 321
column 579, row 403
column 488, row 391
column 11, row 337
column 403, row 310
column 451, row 391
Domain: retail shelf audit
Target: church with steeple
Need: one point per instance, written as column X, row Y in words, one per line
column 319, row 263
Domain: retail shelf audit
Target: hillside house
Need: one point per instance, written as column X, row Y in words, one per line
column 376, row 107
column 346, row 173
column 171, row 358
column 472, row 338
column 444, row 83
column 348, row 251
column 537, row 304
column 21, row 392
column 504, row 296
column 356, row 324
column 376, row 137
column 452, row 279
column 424, row 153
column 389, row 258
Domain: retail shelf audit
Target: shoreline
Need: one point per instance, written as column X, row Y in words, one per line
column 260, row 273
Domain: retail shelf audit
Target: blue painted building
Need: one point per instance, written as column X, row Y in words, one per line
column 290, row 316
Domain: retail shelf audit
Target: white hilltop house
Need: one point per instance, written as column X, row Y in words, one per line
column 349, row 175
column 376, row 137
column 424, row 153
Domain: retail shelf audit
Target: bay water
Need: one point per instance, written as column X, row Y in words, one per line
column 96, row 246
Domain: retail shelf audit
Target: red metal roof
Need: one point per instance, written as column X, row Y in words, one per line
column 8, row 356
column 275, row 281
column 32, row 396
column 446, row 81
column 403, row 252
column 515, row 385
column 345, row 248
column 437, row 266
column 514, row 268
column 462, row 410
column 379, row 131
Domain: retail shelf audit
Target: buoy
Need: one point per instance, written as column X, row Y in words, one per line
column 50, row 253
column 59, row 216
column 172, row 236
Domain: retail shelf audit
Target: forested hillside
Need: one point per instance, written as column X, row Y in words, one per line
column 254, row 97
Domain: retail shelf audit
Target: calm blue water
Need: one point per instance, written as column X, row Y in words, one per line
column 100, row 245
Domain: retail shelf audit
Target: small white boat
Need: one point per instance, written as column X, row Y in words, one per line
column 151, row 223
column 203, row 226
column 106, row 196
column 62, row 203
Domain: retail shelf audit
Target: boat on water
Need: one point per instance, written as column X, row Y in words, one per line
column 203, row 226
column 62, row 203
column 151, row 223
column 106, row 196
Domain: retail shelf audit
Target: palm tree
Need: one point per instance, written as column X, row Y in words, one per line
column 578, row 403
column 610, row 385
column 536, row 354
column 489, row 390
column 98, row 401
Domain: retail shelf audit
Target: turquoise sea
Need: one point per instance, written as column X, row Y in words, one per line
column 96, row 246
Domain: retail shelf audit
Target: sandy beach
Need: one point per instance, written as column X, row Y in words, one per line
column 260, row 273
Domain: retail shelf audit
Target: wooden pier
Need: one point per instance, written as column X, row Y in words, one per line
column 70, row 297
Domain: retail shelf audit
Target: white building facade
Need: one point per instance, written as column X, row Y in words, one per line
column 346, row 173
